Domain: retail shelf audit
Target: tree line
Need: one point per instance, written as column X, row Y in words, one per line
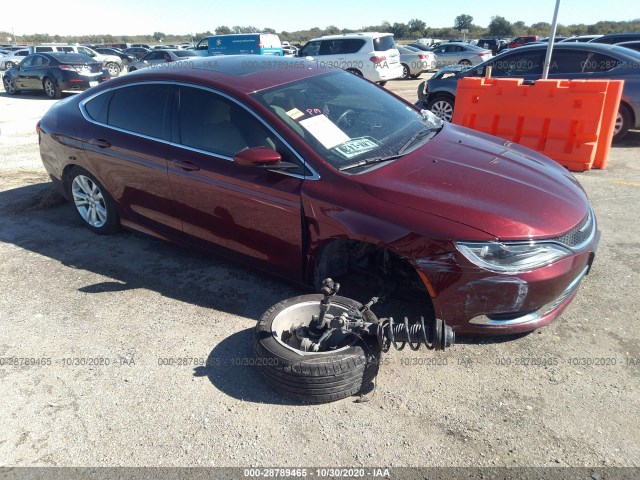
column 499, row 27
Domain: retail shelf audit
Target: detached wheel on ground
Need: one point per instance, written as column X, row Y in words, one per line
column 315, row 377
column 442, row 106
column 51, row 89
column 93, row 203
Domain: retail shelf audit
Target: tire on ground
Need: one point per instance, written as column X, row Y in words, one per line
column 313, row 378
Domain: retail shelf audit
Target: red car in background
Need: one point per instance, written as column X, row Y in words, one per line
column 519, row 41
column 310, row 172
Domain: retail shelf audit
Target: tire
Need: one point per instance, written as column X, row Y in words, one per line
column 132, row 69
column 93, row 203
column 113, row 69
column 9, row 65
column 464, row 62
column 51, row 89
column 382, row 84
column 312, row 377
column 623, row 123
column 421, row 95
column 9, row 86
column 442, row 106
column 355, row 71
column 406, row 72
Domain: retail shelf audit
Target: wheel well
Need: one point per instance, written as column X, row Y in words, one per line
column 65, row 176
column 369, row 270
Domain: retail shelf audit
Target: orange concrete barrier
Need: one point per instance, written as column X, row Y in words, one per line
column 570, row 121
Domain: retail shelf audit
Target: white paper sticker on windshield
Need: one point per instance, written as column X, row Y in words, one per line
column 325, row 131
column 356, row 147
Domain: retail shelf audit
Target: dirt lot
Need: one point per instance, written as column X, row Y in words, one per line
column 566, row 395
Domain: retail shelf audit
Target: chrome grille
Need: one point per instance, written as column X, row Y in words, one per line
column 579, row 236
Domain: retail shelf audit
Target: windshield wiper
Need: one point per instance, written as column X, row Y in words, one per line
column 368, row 161
column 420, row 134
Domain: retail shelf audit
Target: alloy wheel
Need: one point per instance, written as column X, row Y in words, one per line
column 89, row 201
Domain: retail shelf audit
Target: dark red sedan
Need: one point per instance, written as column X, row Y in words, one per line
column 310, row 172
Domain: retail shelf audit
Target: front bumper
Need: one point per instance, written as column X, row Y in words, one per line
column 475, row 301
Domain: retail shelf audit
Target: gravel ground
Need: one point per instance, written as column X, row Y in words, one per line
column 566, row 395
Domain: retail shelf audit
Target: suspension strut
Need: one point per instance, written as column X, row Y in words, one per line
column 327, row 332
column 434, row 334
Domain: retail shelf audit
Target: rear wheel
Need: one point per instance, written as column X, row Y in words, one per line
column 623, row 123
column 92, row 201
column 406, row 73
column 113, row 69
column 315, row 377
column 9, row 65
column 464, row 62
column 442, row 106
column 355, row 71
column 51, row 89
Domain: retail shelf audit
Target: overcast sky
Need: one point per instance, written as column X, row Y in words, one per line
column 132, row 17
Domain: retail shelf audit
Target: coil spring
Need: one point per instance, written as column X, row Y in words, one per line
column 435, row 335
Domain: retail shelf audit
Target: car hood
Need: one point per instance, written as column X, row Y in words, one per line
column 490, row 184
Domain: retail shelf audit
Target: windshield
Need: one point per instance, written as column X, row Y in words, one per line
column 347, row 120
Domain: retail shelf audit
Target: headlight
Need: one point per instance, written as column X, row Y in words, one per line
column 512, row 257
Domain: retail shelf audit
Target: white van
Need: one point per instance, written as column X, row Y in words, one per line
column 369, row 54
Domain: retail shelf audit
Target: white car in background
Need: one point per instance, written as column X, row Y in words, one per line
column 371, row 55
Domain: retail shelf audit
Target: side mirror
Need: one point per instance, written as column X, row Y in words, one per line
column 257, row 157
column 262, row 157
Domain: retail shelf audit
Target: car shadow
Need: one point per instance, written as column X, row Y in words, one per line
column 35, row 217
column 232, row 369
column 630, row 140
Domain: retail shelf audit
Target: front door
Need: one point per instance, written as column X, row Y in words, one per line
column 249, row 212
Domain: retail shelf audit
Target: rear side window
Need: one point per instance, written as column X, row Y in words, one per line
column 382, row 44
column 599, row 62
column 141, row 109
column 98, row 107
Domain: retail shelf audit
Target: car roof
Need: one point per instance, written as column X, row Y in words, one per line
column 243, row 72
column 354, row 35
column 578, row 46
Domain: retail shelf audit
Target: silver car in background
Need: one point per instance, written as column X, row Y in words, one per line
column 158, row 57
column 459, row 53
column 415, row 61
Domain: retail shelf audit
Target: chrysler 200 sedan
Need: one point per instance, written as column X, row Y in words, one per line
column 310, row 172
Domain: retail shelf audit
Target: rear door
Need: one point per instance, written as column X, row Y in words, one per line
column 249, row 212
column 126, row 143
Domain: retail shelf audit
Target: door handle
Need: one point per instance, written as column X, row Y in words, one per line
column 184, row 165
column 98, row 142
